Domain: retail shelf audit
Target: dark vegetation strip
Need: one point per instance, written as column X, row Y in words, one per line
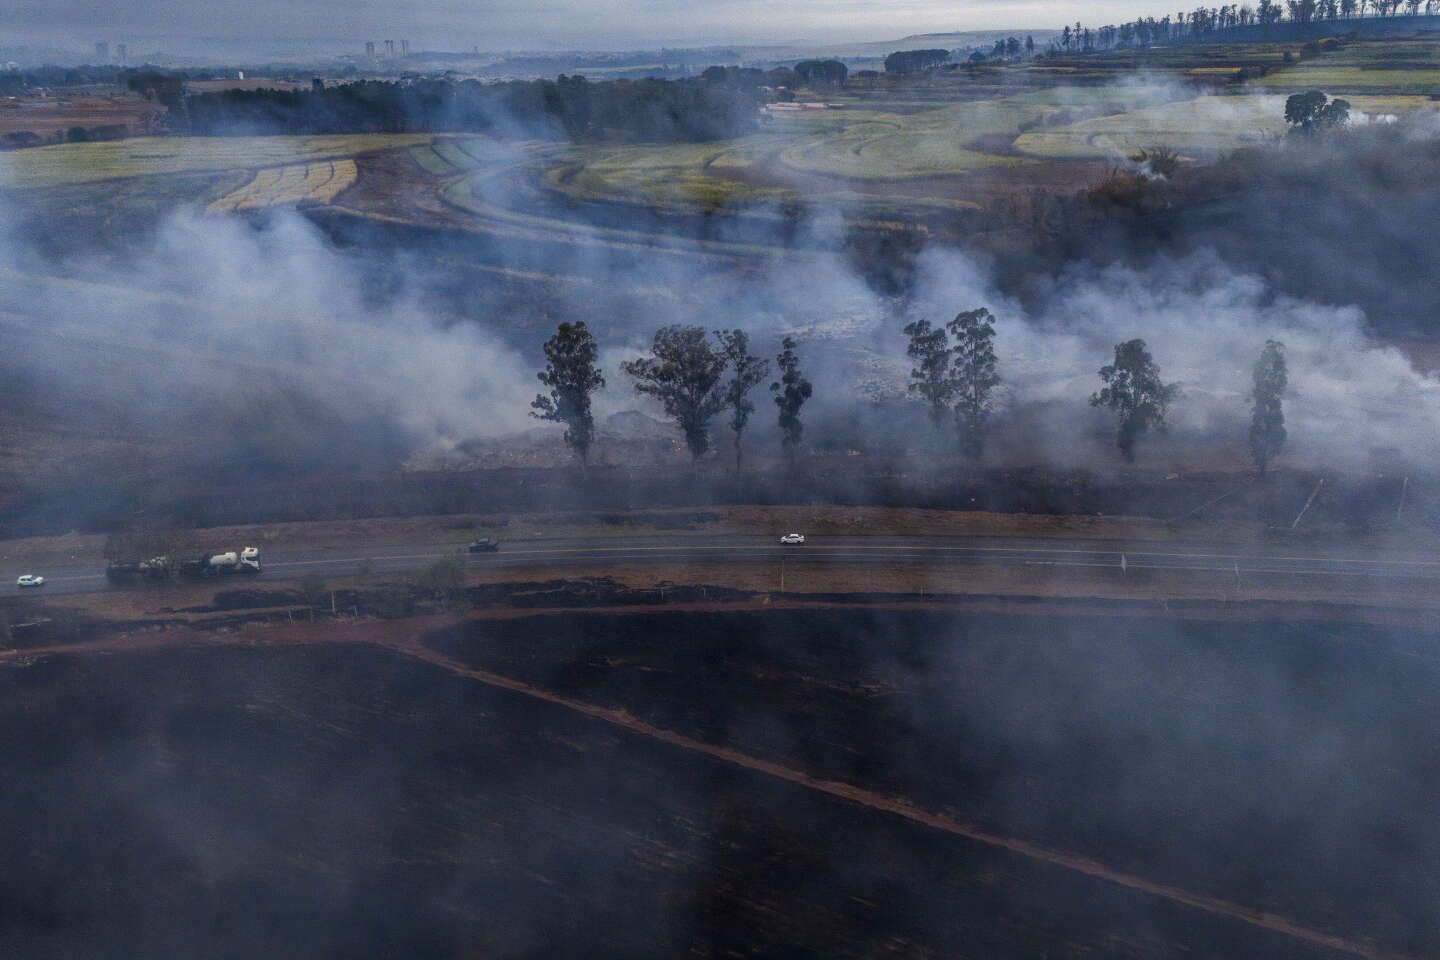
column 568, row 108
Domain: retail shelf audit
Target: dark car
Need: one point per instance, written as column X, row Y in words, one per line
column 483, row 545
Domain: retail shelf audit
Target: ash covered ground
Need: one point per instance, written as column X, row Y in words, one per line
column 347, row 801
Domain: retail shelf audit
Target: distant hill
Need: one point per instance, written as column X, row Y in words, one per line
column 878, row 49
column 961, row 38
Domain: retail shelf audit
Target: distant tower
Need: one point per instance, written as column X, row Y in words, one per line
column 122, row 52
column 316, row 84
column 102, row 52
column 369, row 48
column 390, row 48
column 404, row 48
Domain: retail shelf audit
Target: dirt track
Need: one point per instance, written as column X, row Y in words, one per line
column 402, row 638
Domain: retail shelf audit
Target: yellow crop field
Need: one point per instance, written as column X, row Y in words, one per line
column 296, row 183
column 69, row 163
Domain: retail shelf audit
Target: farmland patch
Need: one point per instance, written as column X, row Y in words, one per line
column 148, row 156
column 298, row 183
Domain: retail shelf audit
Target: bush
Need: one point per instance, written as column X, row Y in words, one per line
column 442, row 576
column 20, row 139
column 313, row 589
column 1162, row 161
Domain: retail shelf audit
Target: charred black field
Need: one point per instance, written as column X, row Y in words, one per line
column 716, row 784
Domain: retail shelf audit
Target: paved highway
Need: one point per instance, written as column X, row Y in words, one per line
column 687, row 549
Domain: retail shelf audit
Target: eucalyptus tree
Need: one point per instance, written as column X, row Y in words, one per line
column 572, row 376
column 683, row 372
column 1134, row 391
column 791, row 392
column 746, row 373
column 1267, row 415
column 973, row 374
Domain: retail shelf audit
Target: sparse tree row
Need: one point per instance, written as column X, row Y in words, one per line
column 957, row 380
column 686, row 372
column 1214, row 23
column 955, row 376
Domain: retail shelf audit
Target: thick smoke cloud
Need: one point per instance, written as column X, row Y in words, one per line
column 212, row 315
column 1353, row 404
column 217, row 313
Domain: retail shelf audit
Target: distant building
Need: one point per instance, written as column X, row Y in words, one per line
column 122, row 52
column 404, row 48
column 102, row 51
column 369, row 48
column 316, row 84
column 390, row 49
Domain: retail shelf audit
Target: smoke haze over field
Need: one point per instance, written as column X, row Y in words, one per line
column 629, row 735
column 217, row 311
column 251, row 314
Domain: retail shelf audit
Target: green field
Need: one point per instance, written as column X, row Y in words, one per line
column 148, row 156
column 687, row 175
column 1365, row 67
column 879, row 146
column 879, row 150
column 446, row 156
column 1201, row 127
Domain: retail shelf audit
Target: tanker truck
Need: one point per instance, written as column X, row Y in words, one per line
column 246, row 560
column 223, row 564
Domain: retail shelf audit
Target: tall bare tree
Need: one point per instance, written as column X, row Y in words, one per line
column 931, row 379
column 974, row 376
column 572, row 376
column 746, row 372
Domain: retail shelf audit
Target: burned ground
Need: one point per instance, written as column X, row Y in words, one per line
column 339, row 800
column 1174, row 751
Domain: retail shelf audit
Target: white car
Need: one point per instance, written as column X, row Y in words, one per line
column 30, row 580
column 793, row 538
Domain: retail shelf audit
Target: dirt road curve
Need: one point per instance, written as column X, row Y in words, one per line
column 402, row 639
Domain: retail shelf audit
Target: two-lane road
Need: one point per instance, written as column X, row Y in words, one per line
column 688, row 549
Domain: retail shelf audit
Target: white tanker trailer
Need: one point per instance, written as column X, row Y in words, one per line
column 220, row 564
column 246, row 560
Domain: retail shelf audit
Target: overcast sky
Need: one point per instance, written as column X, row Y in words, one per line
column 502, row 24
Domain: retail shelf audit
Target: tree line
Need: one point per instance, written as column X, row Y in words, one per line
column 696, row 375
column 686, row 371
column 1210, row 23
column 719, row 105
column 955, row 375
